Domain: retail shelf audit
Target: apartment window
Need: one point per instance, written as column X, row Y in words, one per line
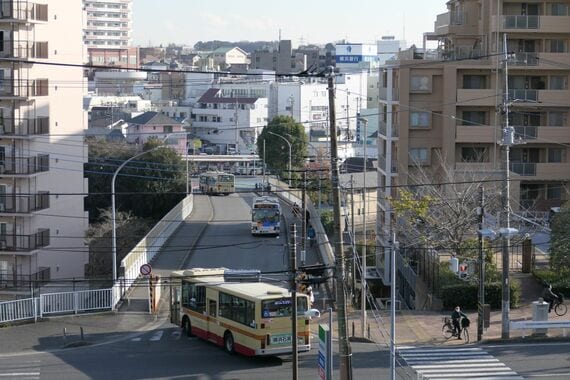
column 556, row 119
column 474, row 82
column 555, row 155
column 420, row 83
column 420, row 120
column 554, row 191
column 474, row 118
column 558, row 82
column 559, row 9
column 557, row 46
column 419, row 155
column 167, row 129
column 474, row 154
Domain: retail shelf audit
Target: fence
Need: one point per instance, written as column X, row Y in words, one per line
column 58, row 303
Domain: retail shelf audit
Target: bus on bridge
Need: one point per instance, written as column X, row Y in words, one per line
column 237, row 312
column 217, row 183
column 266, row 216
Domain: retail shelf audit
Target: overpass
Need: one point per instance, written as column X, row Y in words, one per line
column 249, row 164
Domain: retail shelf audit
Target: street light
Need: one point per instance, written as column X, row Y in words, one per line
column 288, row 143
column 113, row 208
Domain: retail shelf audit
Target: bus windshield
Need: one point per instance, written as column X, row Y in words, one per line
column 225, row 178
column 265, row 215
column 281, row 307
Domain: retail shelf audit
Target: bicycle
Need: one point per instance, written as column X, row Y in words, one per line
column 448, row 330
column 559, row 306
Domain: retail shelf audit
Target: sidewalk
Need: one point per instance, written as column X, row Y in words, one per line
column 416, row 327
column 57, row 333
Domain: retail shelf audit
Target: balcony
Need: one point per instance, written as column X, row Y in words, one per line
column 524, row 95
column 22, row 11
column 21, row 88
column 23, row 281
column 382, row 164
column 23, row 204
column 524, row 169
column 526, row 132
column 475, row 134
column 383, row 94
column 540, row 24
column 477, row 97
column 23, row 127
column 24, row 165
column 521, row 22
column 25, row 243
column 382, row 129
column 524, row 59
column 23, row 49
column 554, row 97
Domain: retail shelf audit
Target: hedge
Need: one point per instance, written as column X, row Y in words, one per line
column 466, row 295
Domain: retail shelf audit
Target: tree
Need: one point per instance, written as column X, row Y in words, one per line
column 439, row 209
column 157, row 176
column 560, row 240
column 277, row 150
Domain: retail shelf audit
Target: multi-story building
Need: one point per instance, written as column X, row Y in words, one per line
column 42, row 189
column 450, row 103
column 107, row 33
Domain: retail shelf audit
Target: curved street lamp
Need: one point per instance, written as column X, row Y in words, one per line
column 288, row 143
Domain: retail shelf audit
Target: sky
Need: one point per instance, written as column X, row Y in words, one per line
column 308, row 21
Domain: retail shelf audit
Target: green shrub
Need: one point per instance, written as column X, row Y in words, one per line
column 466, row 295
column 327, row 219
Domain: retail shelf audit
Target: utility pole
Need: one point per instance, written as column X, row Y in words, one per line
column 393, row 248
column 343, row 343
column 264, row 163
column 508, row 140
column 364, row 232
column 293, row 260
column 352, row 230
column 236, row 126
column 304, row 218
column 480, row 315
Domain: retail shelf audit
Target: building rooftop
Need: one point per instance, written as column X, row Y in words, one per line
column 152, row 118
column 213, row 95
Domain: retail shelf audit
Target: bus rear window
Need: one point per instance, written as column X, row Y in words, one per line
column 281, row 307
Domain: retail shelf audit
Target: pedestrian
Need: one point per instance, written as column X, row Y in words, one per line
column 311, row 296
column 311, row 235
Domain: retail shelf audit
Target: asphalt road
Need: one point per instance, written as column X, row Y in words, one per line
column 165, row 353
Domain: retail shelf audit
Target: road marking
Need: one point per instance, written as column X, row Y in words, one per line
column 14, row 374
column 449, row 363
column 157, row 336
column 550, row 375
column 136, row 339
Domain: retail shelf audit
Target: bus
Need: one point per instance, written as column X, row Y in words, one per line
column 217, row 183
column 237, row 312
column 265, row 216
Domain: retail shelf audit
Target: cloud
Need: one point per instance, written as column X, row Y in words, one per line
column 213, row 20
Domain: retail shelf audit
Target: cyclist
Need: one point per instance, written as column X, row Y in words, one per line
column 549, row 296
column 456, row 317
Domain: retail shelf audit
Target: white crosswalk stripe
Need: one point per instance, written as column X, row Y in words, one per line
column 159, row 335
column 29, row 369
column 456, row 363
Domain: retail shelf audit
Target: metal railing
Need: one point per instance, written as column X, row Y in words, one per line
column 23, row 88
column 526, row 95
column 23, row 10
column 526, row 132
column 521, row 22
column 24, row 126
column 14, row 203
column 58, row 303
column 524, row 59
column 24, row 165
column 524, row 169
column 382, row 129
column 25, row 243
column 23, row 49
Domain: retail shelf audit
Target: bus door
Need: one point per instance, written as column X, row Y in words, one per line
column 212, row 319
column 175, row 306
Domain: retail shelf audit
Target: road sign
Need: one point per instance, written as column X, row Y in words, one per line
column 146, row 269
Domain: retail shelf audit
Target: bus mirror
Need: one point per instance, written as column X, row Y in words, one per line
column 312, row 313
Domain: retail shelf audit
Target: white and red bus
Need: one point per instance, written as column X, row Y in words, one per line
column 265, row 216
column 250, row 318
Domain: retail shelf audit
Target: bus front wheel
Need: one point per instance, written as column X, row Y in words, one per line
column 229, row 342
column 187, row 326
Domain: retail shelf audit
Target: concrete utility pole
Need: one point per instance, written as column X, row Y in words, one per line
column 364, row 232
column 394, row 247
column 352, row 230
column 236, row 126
column 293, row 260
column 480, row 316
column 304, row 218
column 507, row 141
column 344, row 345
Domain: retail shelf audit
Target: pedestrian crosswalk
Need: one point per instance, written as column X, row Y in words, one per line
column 456, row 363
column 158, row 335
column 28, row 369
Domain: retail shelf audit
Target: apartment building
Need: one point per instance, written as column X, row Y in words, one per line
column 42, row 189
column 448, row 103
column 107, row 33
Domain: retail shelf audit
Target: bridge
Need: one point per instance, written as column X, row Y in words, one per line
column 249, row 164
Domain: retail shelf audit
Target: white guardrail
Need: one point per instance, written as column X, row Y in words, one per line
column 99, row 299
column 145, row 251
column 294, row 196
